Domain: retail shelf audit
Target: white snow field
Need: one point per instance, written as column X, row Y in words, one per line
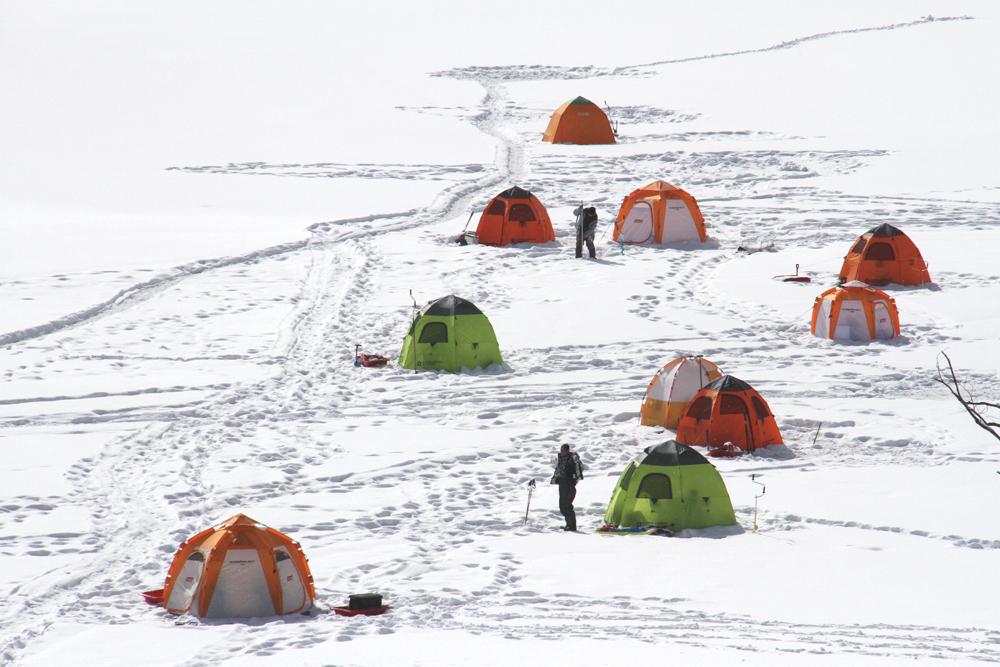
column 205, row 206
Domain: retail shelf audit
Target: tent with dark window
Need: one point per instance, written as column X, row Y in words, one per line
column 669, row 486
column 450, row 334
column 728, row 410
column 514, row 216
column 884, row 255
column 579, row 121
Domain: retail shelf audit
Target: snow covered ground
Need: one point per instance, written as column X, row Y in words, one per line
column 205, row 207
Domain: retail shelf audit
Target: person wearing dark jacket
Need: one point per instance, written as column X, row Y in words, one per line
column 569, row 471
column 586, row 221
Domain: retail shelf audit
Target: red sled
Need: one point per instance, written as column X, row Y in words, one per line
column 346, row 611
column 369, row 360
column 796, row 278
column 154, row 598
column 729, row 449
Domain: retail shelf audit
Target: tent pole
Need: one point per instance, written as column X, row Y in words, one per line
column 414, row 337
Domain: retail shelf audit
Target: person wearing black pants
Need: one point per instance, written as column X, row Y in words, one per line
column 586, row 228
column 569, row 471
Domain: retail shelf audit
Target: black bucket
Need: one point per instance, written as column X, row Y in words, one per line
column 365, row 601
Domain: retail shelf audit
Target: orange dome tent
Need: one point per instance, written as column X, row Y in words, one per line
column 579, row 121
column 673, row 387
column 884, row 255
column 855, row 312
column 240, row 569
column 728, row 410
column 515, row 216
column 659, row 213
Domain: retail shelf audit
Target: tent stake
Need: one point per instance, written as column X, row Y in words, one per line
column 817, row 432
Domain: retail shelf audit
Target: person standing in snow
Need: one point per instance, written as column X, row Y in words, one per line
column 586, row 228
column 569, row 471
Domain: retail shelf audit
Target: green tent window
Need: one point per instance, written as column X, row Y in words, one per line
column 732, row 405
column 434, row 332
column 521, row 213
column 880, row 252
column 627, row 477
column 497, row 208
column 655, row 486
column 760, row 408
column 701, row 409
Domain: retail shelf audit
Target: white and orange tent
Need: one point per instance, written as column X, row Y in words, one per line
column 240, row 569
column 855, row 312
column 673, row 387
column 659, row 213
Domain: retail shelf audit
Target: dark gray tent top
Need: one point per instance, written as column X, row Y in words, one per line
column 727, row 383
column 515, row 193
column 450, row 306
column 883, row 230
column 670, row 453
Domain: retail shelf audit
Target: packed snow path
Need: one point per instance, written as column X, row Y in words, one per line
column 227, row 386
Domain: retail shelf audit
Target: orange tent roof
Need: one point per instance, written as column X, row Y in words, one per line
column 579, row 121
column 514, row 216
column 884, row 255
column 659, row 212
column 728, row 410
column 239, row 569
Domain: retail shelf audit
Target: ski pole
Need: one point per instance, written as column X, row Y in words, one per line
column 531, row 487
column 579, row 232
column 461, row 237
column 763, row 490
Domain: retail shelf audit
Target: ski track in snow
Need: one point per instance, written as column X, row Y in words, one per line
column 544, row 72
column 155, row 476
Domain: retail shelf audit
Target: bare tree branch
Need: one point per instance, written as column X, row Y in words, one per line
column 978, row 410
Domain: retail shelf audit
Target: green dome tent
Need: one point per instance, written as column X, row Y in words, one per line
column 449, row 334
column 669, row 486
